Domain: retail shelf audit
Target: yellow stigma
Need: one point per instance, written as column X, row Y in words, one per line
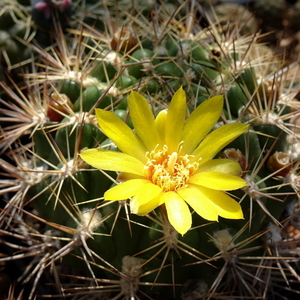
column 169, row 171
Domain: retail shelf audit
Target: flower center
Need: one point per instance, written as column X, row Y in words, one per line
column 169, row 171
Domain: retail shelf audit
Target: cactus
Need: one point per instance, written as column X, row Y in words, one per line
column 15, row 35
column 96, row 75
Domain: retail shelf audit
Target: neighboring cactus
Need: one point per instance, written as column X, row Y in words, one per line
column 274, row 9
column 55, row 210
column 15, row 34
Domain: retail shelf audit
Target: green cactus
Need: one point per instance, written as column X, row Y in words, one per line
column 58, row 227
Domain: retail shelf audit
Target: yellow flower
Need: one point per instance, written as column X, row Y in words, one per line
column 168, row 160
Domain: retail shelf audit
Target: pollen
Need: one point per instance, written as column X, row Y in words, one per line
column 170, row 171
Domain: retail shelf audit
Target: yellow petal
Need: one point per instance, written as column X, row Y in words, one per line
column 218, row 181
column 128, row 176
column 217, row 140
column 178, row 211
column 160, row 123
column 151, row 205
column 226, row 206
column 146, row 194
column 143, row 120
column 121, row 134
column 202, row 206
column 222, row 165
column 112, row 161
column 125, row 190
column 175, row 120
column 200, row 122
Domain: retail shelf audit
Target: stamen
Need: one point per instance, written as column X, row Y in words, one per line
column 169, row 171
